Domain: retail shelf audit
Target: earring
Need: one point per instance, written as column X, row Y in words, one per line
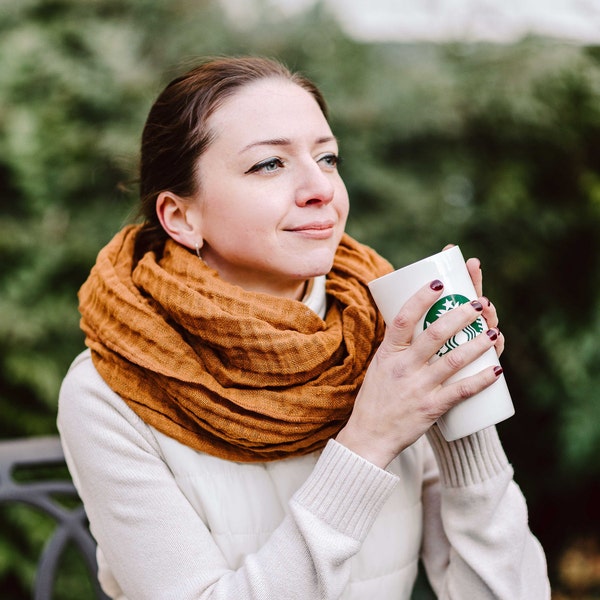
column 198, row 250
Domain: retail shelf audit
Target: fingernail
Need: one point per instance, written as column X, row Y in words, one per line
column 436, row 285
column 477, row 305
column 492, row 334
column 486, row 300
column 498, row 371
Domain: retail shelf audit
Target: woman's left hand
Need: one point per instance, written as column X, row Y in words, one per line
column 489, row 310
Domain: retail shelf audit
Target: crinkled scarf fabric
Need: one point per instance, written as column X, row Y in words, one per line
column 240, row 375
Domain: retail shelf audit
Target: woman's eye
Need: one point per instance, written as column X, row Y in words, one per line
column 266, row 166
column 330, row 160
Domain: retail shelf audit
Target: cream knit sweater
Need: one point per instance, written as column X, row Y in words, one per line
column 173, row 523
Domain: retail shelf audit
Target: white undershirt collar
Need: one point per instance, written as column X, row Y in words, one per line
column 315, row 297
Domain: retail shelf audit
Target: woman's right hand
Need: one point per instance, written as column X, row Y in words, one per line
column 403, row 395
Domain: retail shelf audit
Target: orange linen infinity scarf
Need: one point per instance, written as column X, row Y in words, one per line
column 240, row 375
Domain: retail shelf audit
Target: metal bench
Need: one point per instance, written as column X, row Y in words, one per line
column 71, row 523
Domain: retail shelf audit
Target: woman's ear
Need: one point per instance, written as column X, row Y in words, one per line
column 180, row 218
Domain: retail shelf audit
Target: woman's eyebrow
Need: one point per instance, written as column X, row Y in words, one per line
column 272, row 142
column 284, row 142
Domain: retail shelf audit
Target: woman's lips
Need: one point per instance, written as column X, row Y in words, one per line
column 317, row 230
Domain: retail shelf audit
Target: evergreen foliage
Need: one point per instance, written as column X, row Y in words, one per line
column 495, row 148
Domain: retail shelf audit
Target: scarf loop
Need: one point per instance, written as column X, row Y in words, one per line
column 240, row 375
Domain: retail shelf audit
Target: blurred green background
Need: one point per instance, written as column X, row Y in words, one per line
column 493, row 147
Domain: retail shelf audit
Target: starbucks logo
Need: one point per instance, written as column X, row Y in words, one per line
column 441, row 307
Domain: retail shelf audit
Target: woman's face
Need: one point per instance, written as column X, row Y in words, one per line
column 272, row 206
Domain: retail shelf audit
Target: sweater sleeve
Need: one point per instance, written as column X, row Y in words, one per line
column 158, row 547
column 477, row 542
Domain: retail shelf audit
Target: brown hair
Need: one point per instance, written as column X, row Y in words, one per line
column 176, row 133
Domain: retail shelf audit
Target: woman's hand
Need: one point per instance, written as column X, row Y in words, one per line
column 402, row 394
column 489, row 310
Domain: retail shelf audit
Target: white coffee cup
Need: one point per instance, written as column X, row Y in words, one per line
column 390, row 292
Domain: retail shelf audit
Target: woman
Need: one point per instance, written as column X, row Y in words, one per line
column 240, row 426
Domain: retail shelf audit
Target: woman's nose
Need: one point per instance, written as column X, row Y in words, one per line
column 314, row 186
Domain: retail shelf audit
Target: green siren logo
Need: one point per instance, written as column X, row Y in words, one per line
column 441, row 307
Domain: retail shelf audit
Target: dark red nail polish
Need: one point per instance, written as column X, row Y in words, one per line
column 498, row 371
column 486, row 300
column 436, row 285
column 477, row 305
column 492, row 334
